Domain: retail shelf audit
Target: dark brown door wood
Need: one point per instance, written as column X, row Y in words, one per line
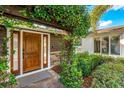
column 31, row 51
column 15, row 53
column 45, row 51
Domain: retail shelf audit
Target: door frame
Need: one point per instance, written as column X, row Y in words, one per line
column 22, row 74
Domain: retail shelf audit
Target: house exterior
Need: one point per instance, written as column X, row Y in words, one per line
column 31, row 50
column 108, row 41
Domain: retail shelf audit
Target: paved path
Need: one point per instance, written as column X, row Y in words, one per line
column 50, row 82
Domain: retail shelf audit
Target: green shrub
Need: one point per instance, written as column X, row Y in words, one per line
column 84, row 64
column 109, row 75
column 120, row 60
column 71, row 75
column 96, row 60
column 108, row 59
column 89, row 62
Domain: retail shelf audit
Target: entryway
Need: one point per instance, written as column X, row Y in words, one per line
column 31, row 52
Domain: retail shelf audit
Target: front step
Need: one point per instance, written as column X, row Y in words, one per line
column 51, row 82
column 26, row 81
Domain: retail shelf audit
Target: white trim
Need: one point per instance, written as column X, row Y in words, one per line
column 9, row 48
column 109, row 45
column 120, row 45
column 100, row 45
column 41, row 51
column 49, row 51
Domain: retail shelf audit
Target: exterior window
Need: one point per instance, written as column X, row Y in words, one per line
column 115, row 45
column 15, row 53
column 105, row 45
column 97, row 45
column 45, row 51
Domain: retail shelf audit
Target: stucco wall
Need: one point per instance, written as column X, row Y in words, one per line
column 88, row 45
column 122, row 46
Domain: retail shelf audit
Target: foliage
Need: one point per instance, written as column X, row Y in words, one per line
column 96, row 14
column 85, row 64
column 6, row 79
column 74, row 19
column 89, row 62
column 106, row 71
column 11, row 23
column 109, row 75
column 71, row 75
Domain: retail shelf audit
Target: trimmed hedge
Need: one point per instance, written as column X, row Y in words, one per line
column 88, row 62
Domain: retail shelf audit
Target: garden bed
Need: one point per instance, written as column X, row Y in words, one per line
column 100, row 71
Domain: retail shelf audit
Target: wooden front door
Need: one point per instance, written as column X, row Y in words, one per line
column 31, row 51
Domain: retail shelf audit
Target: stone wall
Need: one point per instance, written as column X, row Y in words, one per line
column 55, row 42
column 55, row 58
column 55, row 47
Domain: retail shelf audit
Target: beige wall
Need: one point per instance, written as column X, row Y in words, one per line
column 88, row 45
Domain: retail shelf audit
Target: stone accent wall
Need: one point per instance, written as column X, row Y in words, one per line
column 55, row 47
column 2, row 35
column 55, row 58
column 55, row 42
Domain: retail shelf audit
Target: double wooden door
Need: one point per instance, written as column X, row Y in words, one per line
column 31, row 51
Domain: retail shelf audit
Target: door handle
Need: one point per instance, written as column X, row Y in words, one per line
column 23, row 53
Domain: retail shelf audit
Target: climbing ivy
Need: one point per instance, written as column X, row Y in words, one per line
column 74, row 19
column 6, row 79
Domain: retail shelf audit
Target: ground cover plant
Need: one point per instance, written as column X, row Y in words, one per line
column 109, row 75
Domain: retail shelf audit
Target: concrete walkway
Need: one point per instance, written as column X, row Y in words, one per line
column 47, row 79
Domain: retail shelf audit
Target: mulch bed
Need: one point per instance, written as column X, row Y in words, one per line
column 87, row 82
column 57, row 69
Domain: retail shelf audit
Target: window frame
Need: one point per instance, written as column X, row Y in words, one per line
column 109, row 49
column 119, row 44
